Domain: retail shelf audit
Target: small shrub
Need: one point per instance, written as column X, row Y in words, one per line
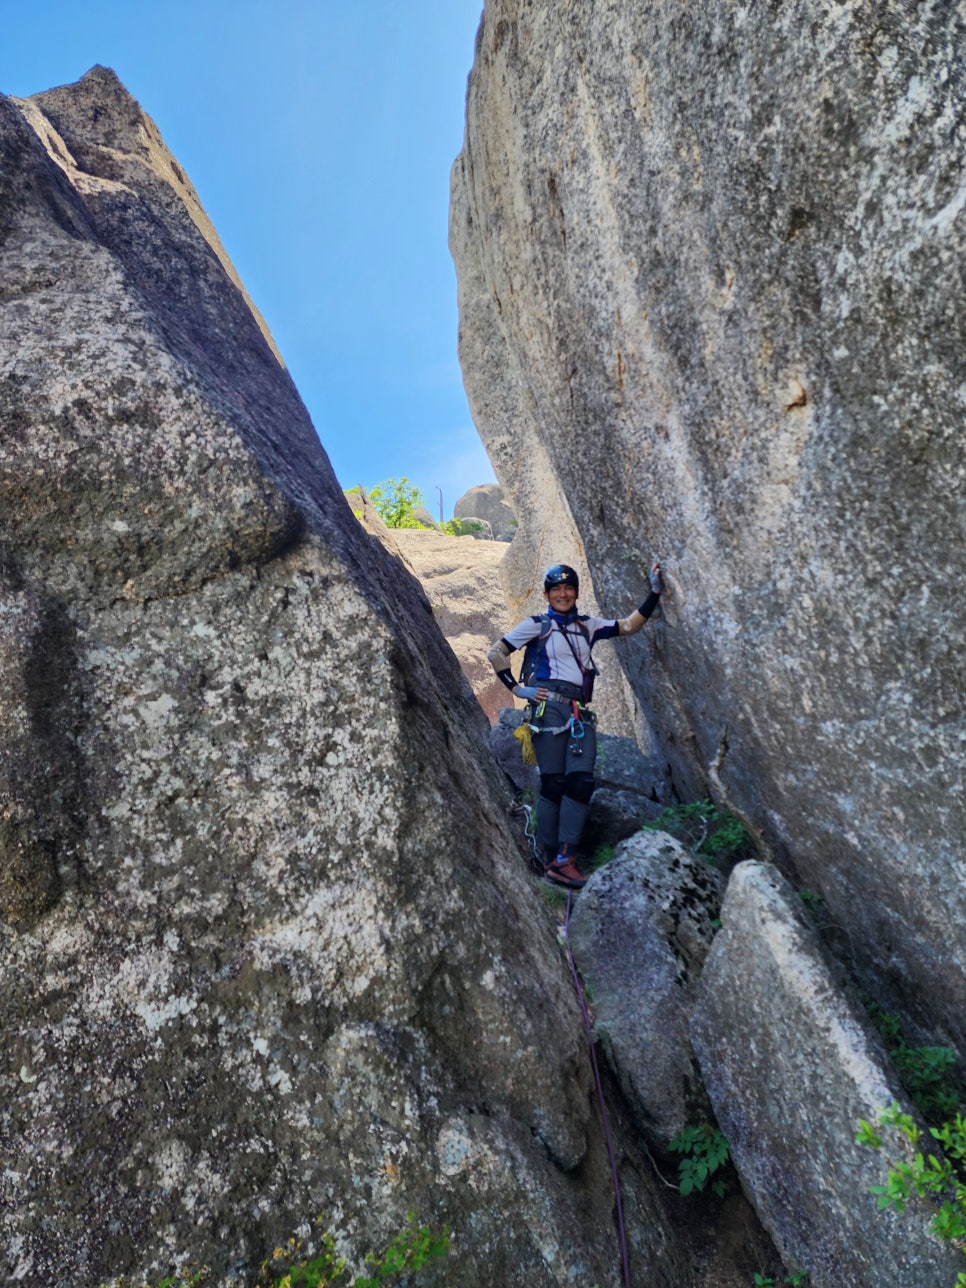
column 412, row 1247
column 396, row 501
column 409, row 1250
column 705, row 1151
column 814, row 905
column 707, row 830
column 926, row 1072
column 941, row 1175
column 462, row 527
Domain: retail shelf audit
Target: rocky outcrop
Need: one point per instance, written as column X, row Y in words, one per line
column 461, row 579
column 631, row 790
column 486, row 504
column 791, row 1069
column 711, row 309
column 641, row 932
column 268, row 948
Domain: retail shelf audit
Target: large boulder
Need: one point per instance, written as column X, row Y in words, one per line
column 486, row 504
column 640, row 932
column 268, row 945
column 631, row 790
column 711, row 308
column 791, row 1068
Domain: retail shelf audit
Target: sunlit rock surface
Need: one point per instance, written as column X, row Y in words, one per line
column 462, row 581
column 711, row 308
column 791, row 1069
column 267, row 946
column 485, row 503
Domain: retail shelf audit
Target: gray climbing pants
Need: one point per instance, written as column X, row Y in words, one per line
column 566, row 757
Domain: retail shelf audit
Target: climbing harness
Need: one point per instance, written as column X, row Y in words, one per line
column 608, row 1141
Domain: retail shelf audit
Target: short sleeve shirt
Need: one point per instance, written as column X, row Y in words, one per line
column 557, row 659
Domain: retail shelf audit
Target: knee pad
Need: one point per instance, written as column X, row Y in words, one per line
column 579, row 787
column 552, row 787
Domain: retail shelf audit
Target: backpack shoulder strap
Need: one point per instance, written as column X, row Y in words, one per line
column 581, row 626
column 537, row 645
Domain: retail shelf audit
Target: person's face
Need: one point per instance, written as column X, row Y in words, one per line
column 561, row 598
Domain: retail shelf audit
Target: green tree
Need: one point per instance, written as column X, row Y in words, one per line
column 396, row 500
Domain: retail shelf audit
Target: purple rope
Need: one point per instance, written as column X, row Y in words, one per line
column 625, row 1269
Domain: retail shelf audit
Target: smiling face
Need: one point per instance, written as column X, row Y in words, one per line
column 561, row 598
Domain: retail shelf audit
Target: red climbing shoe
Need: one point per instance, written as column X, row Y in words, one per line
column 564, row 872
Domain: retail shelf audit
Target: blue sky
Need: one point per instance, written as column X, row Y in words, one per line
column 319, row 136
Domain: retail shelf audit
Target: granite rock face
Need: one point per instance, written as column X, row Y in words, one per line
column 245, row 798
column 640, row 934
column 462, row 581
column 791, row 1068
column 712, row 308
column 485, row 503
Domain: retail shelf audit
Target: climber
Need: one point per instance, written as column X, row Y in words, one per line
column 557, row 681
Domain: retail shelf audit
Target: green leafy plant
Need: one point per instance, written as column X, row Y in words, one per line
column 409, row 1250
column 462, row 527
column 941, row 1175
column 814, row 903
column 797, row 1280
column 706, row 829
column 412, row 1247
column 396, row 500
column 705, row 1151
column 927, row 1072
column 602, row 856
column 553, row 895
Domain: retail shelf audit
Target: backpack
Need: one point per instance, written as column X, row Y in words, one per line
column 537, row 647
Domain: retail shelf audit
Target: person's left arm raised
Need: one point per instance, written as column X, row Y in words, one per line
column 636, row 621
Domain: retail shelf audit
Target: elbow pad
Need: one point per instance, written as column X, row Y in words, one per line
column 497, row 655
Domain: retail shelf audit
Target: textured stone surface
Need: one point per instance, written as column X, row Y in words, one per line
column 712, row 308
column 791, row 1070
column 461, row 579
column 622, row 766
column 268, row 948
column 614, row 815
column 640, row 933
column 485, row 502
column 631, row 790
